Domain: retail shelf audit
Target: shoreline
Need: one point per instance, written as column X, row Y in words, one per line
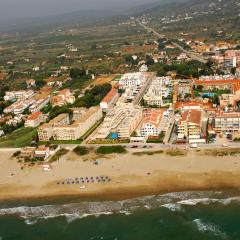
column 132, row 176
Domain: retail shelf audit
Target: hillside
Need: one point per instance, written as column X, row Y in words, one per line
column 209, row 17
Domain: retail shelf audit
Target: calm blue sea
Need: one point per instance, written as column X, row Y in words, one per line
column 174, row 216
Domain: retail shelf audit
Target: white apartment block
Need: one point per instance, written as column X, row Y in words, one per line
column 18, row 107
column 158, row 89
column 154, row 122
column 226, row 122
column 122, row 120
column 18, row 95
column 130, row 79
column 39, row 104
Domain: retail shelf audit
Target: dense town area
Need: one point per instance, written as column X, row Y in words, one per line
column 173, row 92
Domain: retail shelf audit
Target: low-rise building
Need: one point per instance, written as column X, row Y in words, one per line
column 42, row 153
column 62, row 98
column 130, row 79
column 110, row 99
column 34, row 119
column 39, row 104
column 226, row 122
column 154, row 122
column 157, row 91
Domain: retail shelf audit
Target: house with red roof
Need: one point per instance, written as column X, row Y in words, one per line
column 35, row 119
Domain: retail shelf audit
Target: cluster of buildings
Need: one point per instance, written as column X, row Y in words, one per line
column 62, row 98
column 159, row 89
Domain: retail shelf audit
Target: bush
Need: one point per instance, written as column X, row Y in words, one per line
column 111, row 149
column 59, row 154
column 81, row 151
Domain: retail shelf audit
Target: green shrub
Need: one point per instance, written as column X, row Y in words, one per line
column 111, row 149
column 81, row 151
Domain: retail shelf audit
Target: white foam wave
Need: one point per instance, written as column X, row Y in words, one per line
column 174, row 207
column 73, row 211
column 209, row 228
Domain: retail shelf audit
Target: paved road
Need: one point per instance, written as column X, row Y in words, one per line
column 190, row 54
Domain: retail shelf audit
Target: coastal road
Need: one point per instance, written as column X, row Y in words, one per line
column 193, row 56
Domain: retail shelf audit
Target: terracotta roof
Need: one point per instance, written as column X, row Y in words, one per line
column 193, row 116
column 153, row 116
column 34, row 116
column 110, row 95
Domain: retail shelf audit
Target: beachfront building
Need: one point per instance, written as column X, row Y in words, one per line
column 110, row 99
column 190, row 126
column 45, row 131
column 34, row 119
column 120, row 121
column 154, row 122
column 80, row 125
column 42, row 153
column 226, row 122
column 130, row 122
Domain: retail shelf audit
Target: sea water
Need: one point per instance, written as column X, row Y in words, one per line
column 173, row 216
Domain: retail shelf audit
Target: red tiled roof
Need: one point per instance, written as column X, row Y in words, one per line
column 110, row 95
column 34, row 116
column 193, row 116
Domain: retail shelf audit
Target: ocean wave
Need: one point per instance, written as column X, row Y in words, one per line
column 209, row 228
column 72, row 211
column 174, row 207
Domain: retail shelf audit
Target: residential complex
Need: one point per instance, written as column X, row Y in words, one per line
column 60, row 128
column 190, row 127
column 226, row 122
column 159, row 89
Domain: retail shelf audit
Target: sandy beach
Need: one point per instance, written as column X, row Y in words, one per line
column 131, row 175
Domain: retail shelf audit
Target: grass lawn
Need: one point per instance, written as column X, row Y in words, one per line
column 19, row 138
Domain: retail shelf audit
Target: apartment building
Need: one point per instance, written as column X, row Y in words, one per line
column 190, row 126
column 154, row 122
column 130, row 122
column 39, row 104
column 19, row 106
column 110, row 99
column 130, row 79
column 121, row 120
column 18, row 95
column 158, row 89
column 34, row 119
column 45, row 131
column 226, row 122
column 231, row 59
column 80, row 126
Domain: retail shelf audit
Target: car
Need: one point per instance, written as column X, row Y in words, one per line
column 135, row 146
column 224, row 145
